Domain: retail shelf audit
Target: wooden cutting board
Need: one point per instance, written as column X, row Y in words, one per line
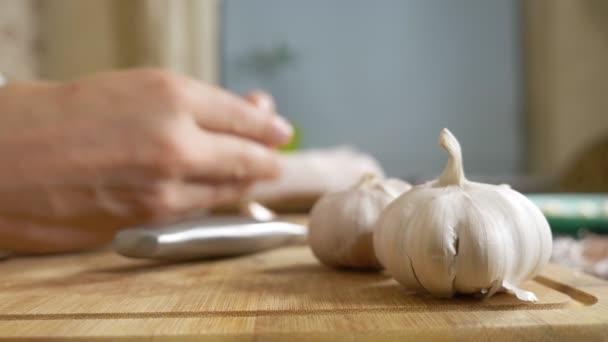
column 283, row 294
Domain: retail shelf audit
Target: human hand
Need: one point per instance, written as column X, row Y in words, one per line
column 83, row 159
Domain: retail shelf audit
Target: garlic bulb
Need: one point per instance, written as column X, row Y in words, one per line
column 341, row 223
column 452, row 235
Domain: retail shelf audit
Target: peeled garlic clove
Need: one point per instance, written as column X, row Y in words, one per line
column 341, row 223
column 453, row 236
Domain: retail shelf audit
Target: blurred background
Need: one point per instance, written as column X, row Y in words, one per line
column 523, row 84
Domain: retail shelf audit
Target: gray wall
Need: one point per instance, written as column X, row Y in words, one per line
column 386, row 76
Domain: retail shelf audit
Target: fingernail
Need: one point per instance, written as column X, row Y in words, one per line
column 282, row 130
column 261, row 99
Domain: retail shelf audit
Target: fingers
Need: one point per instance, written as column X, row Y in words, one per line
column 232, row 158
column 25, row 235
column 220, row 111
column 203, row 196
column 169, row 199
column 30, row 234
column 175, row 198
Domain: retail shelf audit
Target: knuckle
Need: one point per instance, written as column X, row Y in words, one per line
column 174, row 153
column 162, row 199
column 255, row 161
column 165, row 87
column 166, row 199
column 168, row 155
column 254, row 158
column 238, row 123
column 248, row 160
column 249, row 123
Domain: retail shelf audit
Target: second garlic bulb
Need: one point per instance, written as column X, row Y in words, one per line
column 341, row 223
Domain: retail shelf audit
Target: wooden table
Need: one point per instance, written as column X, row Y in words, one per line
column 283, row 294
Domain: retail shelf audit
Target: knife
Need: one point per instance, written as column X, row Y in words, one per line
column 203, row 238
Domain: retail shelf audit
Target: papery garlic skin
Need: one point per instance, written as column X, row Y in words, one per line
column 451, row 235
column 341, row 223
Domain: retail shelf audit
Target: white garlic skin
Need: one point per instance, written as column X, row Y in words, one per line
column 341, row 223
column 451, row 235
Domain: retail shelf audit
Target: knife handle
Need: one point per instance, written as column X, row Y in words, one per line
column 205, row 239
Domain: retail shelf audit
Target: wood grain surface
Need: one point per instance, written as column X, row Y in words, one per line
column 282, row 294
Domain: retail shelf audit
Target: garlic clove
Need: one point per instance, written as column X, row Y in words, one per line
column 483, row 257
column 432, row 250
column 391, row 252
